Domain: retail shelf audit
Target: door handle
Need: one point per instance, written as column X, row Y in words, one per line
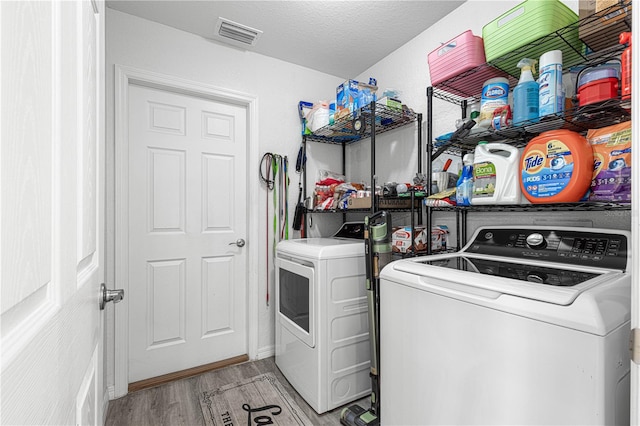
column 107, row 295
column 240, row 243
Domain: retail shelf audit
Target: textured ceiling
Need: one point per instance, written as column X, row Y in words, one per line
column 341, row 38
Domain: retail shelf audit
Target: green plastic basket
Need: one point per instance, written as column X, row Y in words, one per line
column 526, row 23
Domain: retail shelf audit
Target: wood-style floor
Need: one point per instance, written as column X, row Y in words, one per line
column 177, row 403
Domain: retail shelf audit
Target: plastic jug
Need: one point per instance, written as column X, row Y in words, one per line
column 495, row 174
column 556, row 167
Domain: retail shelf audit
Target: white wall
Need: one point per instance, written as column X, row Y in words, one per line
column 407, row 70
column 277, row 85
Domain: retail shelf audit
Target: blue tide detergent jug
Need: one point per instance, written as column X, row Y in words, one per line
column 464, row 187
column 526, row 94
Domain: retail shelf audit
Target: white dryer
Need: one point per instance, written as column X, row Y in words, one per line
column 522, row 326
column 322, row 329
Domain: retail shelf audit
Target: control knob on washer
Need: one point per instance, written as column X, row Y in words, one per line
column 536, row 241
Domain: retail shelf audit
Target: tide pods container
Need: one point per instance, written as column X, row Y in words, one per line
column 556, row 167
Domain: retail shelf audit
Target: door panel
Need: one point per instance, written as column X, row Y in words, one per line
column 51, row 211
column 187, row 186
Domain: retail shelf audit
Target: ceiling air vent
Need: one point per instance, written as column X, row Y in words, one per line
column 236, row 34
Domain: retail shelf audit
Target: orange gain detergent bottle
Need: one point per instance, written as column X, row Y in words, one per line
column 556, row 167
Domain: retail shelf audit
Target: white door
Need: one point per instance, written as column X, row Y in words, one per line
column 51, row 198
column 187, row 209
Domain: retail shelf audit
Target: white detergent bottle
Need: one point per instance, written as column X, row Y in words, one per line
column 495, row 174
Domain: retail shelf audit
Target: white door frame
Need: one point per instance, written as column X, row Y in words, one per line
column 124, row 76
column 635, row 216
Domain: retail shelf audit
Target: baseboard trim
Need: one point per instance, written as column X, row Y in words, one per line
column 105, row 404
column 166, row 378
column 266, row 352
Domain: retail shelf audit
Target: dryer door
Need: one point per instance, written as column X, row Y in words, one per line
column 295, row 298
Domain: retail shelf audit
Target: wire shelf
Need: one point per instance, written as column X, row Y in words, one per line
column 343, row 131
column 578, row 119
column 581, row 206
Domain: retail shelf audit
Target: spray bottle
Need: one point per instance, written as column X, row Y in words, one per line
column 526, row 94
column 625, row 38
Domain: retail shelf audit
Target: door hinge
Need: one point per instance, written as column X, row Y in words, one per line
column 634, row 345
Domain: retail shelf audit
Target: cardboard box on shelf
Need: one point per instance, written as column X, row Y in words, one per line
column 602, row 22
column 359, row 203
column 383, row 203
column 390, row 103
column 604, row 4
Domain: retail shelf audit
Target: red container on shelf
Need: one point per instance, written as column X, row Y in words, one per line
column 597, row 85
column 625, row 78
column 456, row 56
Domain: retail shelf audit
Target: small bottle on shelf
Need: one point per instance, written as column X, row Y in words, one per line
column 464, row 187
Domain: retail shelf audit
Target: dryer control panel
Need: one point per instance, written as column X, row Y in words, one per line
column 589, row 247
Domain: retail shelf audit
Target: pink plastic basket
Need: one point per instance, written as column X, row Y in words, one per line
column 456, row 56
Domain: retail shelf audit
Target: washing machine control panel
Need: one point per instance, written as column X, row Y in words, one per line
column 588, row 247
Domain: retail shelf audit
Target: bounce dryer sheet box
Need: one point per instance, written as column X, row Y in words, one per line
column 401, row 239
column 611, row 163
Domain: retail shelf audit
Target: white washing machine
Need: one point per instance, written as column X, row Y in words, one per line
column 322, row 329
column 522, row 326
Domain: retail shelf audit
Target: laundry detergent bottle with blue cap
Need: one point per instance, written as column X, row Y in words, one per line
column 526, row 94
column 464, row 187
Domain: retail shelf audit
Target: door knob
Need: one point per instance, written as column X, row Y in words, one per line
column 107, row 295
column 239, row 243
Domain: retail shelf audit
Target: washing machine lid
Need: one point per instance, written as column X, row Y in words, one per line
column 532, row 273
column 495, row 276
column 321, row 248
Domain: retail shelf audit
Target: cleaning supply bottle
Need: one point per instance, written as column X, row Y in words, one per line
column 556, row 167
column 464, row 187
column 550, row 81
column 495, row 174
column 625, row 38
column 495, row 94
column 526, row 94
